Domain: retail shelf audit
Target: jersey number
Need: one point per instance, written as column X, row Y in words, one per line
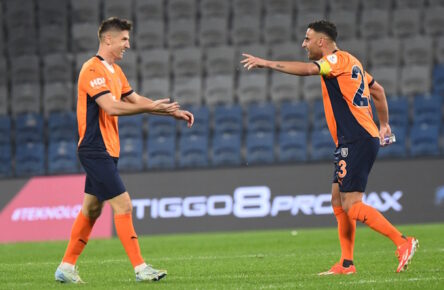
column 359, row 100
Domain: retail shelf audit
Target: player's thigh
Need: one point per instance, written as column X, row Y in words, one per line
column 121, row 204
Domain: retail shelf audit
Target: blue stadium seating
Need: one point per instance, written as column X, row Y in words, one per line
column 294, row 116
column 62, row 126
column 162, row 126
column 201, row 122
column 398, row 112
column 260, row 148
column 131, row 154
column 29, row 128
column 438, row 80
column 397, row 149
column 292, row 146
column 5, row 160
column 62, row 157
column 261, row 117
column 228, row 119
column 226, row 149
column 318, row 114
column 30, row 159
column 161, row 152
column 322, row 145
column 424, row 140
column 131, row 126
column 427, row 109
column 5, row 130
column 193, row 151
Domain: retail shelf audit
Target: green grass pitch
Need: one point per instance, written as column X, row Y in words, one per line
column 278, row 259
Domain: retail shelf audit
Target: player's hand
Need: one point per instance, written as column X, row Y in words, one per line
column 184, row 115
column 164, row 106
column 251, row 61
column 384, row 131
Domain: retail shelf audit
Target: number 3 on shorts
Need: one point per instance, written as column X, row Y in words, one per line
column 342, row 172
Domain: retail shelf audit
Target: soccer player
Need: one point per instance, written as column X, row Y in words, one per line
column 346, row 89
column 103, row 94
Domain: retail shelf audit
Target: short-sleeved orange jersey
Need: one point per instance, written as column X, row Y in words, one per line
column 98, row 131
column 346, row 95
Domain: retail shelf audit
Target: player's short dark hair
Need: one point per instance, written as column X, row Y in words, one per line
column 325, row 27
column 114, row 23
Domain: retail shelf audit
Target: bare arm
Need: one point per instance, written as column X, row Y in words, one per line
column 380, row 100
column 290, row 67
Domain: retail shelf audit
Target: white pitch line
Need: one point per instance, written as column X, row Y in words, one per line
column 392, row 280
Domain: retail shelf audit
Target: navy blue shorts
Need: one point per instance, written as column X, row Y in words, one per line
column 102, row 177
column 353, row 163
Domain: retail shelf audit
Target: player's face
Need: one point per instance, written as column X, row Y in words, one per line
column 311, row 45
column 119, row 43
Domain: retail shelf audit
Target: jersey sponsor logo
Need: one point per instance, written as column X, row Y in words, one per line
column 332, row 58
column 252, row 202
column 97, row 82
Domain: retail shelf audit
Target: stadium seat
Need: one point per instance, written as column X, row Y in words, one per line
column 247, row 7
column 245, row 30
column 427, row 110
column 19, row 13
column 252, row 88
column 128, row 65
column 277, row 27
column 118, row 8
column 260, row 148
column 397, row 149
column 213, row 31
column 84, row 37
column 345, row 21
column 256, row 49
column 228, row 119
column 219, row 90
column 156, row 88
column 153, row 10
column 292, row 146
column 220, row 60
column 388, row 77
column 433, row 21
column 375, row 23
column 285, row 87
column 4, row 100
column 62, row 157
column 344, row 5
column 25, row 98
column 154, row 63
column 187, row 61
column 131, row 154
column 182, row 33
column 22, row 40
column 5, row 130
column 293, row 116
column 28, row 128
column 53, row 12
column 161, row 152
column 187, row 90
column 226, row 149
column 311, row 88
column 5, row 160
column 53, row 38
column 85, row 11
column 193, row 151
column 303, row 19
column 399, row 112
column 151, row 36
column 318, row 115
column 131, row 127
column 410, row 3
column 161, row 126
column 377, row 4
column 418, row 50
column 25, row 69
column 3, row 70
column 57, row 68
column 436, row 3
column 424, row 140
column 62, row 126
column 182, row 9
column 261, row 118
column 415, row 79
column 286, row 51
column 279, row 7
column 57, row 97
column 201, row 122
column 322, row 145
column 29, row 159
column 438, row 80
column 384, row 52
column 358, row 48
column 406, row 22
column 214, row 8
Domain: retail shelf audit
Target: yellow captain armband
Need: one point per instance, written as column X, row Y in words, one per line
column 324, row 67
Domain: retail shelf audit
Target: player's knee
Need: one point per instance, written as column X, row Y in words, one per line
column 93, row 211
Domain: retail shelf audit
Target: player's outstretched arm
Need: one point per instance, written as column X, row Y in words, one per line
column 380, row 101
column 291, row 67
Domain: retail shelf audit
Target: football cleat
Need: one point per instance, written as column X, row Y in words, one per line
column 150, row 274
column 405, row 253
column 338, row 269
column 68, row 276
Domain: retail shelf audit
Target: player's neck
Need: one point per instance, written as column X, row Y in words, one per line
column 106, row 55
column 329, row 49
